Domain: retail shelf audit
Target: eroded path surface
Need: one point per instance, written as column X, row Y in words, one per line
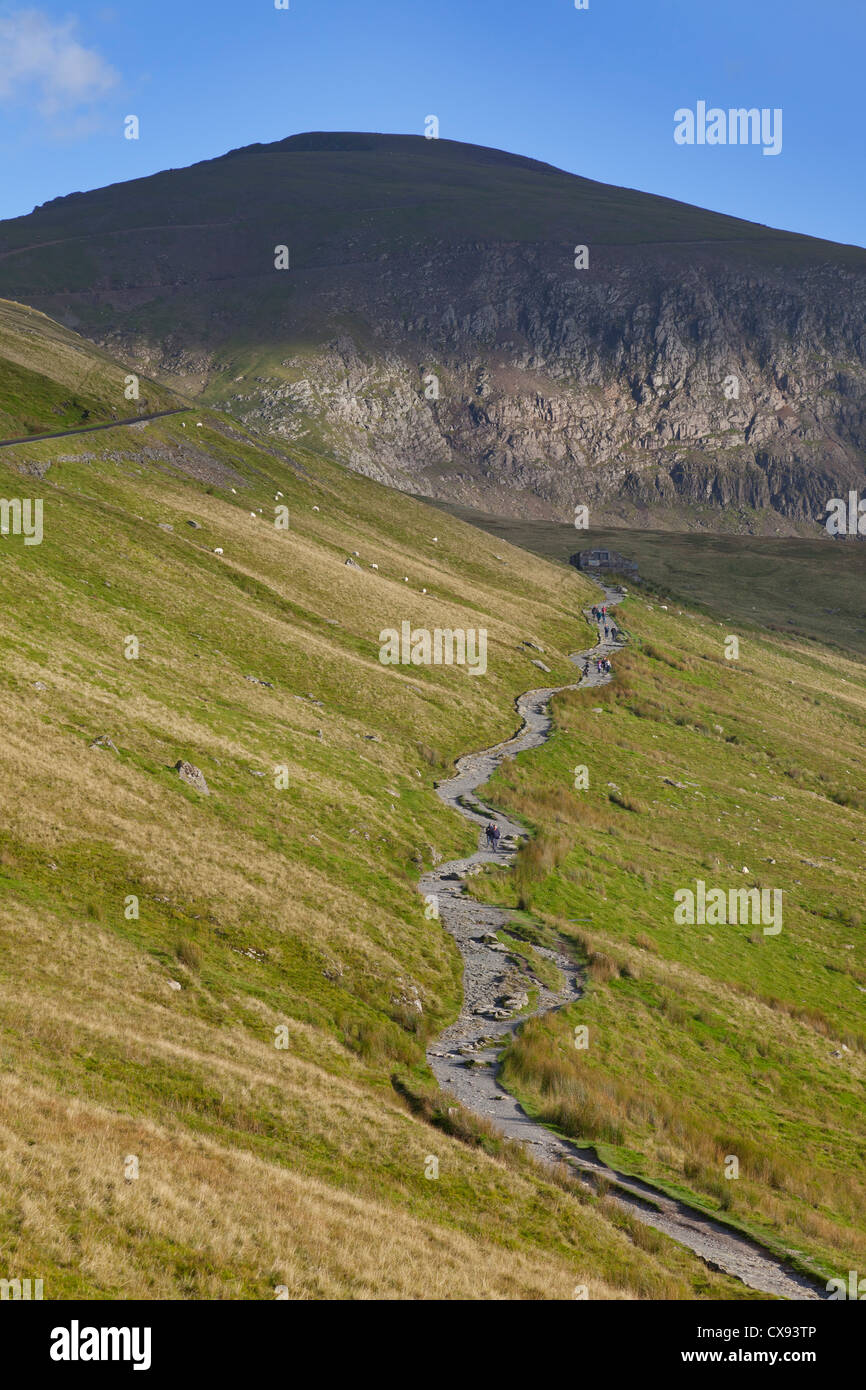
column 464, row 1059
column 92, row 429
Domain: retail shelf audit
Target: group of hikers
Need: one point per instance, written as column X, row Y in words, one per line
column 602, row 665
column 600, row 615
column 493, row 833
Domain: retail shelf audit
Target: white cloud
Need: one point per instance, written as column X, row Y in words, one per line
column 42, row 60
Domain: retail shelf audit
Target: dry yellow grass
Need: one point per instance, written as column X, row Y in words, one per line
column 294, row 909
column 221, row 1224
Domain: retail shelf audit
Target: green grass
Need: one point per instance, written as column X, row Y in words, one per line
column 50, row 379
column 541, row 967
column 291, row 909
column 806, row 587
column 707, row 1041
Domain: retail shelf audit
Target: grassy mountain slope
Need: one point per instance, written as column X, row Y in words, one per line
column 309, row 184
column 189, row 253
column 51, row 379
column 809, row 588
column 708, row 1041
column 156, row 1141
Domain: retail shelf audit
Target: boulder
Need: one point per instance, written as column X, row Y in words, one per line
column 514, row 1002
column 192, row 775
column 102, row 741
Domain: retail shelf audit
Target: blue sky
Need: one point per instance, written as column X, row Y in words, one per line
column 593, row 91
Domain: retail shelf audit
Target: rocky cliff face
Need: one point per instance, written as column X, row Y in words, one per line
column 648, row 384
column 434, row 332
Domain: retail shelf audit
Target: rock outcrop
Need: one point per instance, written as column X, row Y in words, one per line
column 192, row 775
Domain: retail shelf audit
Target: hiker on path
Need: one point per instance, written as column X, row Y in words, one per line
column 496, row 834
column 488, row 831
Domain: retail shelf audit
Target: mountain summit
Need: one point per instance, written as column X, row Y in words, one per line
column 477, row 326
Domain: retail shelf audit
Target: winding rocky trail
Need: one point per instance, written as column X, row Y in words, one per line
column 496, row 985
column 93, row 429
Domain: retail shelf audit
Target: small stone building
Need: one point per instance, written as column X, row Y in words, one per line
column 604, row 562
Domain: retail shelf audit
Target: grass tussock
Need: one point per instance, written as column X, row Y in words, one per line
column 189, row 953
